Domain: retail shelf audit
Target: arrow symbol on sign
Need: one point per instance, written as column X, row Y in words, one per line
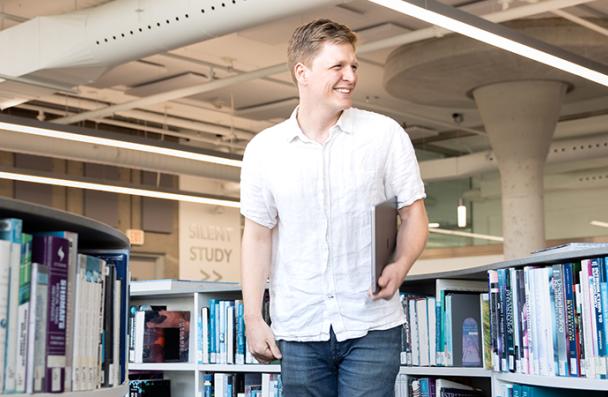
column 205, row 274
column 217, row 275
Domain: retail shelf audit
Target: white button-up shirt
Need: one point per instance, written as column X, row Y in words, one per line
column 317, row 199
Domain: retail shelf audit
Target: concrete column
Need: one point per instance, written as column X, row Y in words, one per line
column 520, row 118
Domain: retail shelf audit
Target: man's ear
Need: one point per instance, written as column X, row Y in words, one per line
column 300, row 72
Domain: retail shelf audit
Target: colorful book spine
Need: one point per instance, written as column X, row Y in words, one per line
column 5, row 255
column 23, row 311
column 560, row 338
column 570, row 312
column 213, row 306
column 240, row 332
column 53, row 252
column 598, row 316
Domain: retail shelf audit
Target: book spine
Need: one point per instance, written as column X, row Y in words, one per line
column 509, row 323
column 600, row 362
column 205, row 334
column 212, row 326
column 23, row 311
column 561, row 321
column 515, row 298
column 12, row 334
column 586, row 321
column 604, row 304
column 520, row 317
column 240, row 332
column 503, row 350
column 41, row 314
column 56, row 251
column 494, row 292
column 432, row 329
column 5, row 254
column 570, row 313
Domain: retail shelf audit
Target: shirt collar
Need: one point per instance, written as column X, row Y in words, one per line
column 344, row 123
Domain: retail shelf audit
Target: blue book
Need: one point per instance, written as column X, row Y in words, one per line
column 212, row 325
column 604, row 299
column 240, row 332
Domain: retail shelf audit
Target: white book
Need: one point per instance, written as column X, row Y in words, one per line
column 140, row 319
column 5, row 260
column 432, row 330
column 220, row 382
column 205, row 334
column 222, row 333
column 548, row 363
column 414, row 332
column 423, row 331
column 41, row 314
column 229, row 334
column 31, row 336
column 78, row 318
column 115, row 366
column 12, row 332
column 266, row 385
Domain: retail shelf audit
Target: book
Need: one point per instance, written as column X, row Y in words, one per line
column 37, row 365
column 466, row 330
column 5, row 255
column 53, row 252
column 150, row 388
column 165, row 336
column 71, row 301
column 23, row 311
column 11, row 230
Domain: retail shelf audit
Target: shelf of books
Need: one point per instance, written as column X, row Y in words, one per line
column 534, row 325
column 63, row 299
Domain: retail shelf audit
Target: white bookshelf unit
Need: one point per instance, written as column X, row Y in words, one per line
column 91, row 235
column 185, row 295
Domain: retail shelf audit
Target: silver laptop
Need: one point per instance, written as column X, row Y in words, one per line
column 384, row 238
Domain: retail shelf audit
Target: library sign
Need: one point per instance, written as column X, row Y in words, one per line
column 209, row 242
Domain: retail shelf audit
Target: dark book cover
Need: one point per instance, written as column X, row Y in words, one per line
column 150, row 388
column 466, row 330
column 54, row 252
column 166, row 336
column 108, row 326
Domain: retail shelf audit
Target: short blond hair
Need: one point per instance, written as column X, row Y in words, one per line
column 308, row 39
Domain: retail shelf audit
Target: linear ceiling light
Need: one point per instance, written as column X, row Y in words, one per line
column 466, row 234
column 499, row 36
column 117, row 189
column 599, row 223
column 96, row 140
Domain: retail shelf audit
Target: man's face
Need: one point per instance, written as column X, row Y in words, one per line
column 332, row 76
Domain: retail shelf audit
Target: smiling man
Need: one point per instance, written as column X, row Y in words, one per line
column 307, row 186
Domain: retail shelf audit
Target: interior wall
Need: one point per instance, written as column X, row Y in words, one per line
column 128, row 210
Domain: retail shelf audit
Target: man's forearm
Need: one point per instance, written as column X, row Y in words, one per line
column 255, row 267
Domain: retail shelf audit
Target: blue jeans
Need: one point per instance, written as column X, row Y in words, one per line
column 361, row 367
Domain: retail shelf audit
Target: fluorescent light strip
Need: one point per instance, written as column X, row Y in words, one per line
column 496, row 40
column 433, row 225
column 599, row 223
column 118, row 144
column 466, row 234
column 117, row 189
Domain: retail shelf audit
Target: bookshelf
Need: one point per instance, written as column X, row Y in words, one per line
column 92, row 235
column 180, row 295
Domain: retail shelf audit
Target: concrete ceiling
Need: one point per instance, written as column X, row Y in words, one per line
column 244, row 109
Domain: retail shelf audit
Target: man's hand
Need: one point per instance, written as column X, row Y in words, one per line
column 389, row 281
column 261, row 342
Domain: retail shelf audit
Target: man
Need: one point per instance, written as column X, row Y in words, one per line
column 307, row 186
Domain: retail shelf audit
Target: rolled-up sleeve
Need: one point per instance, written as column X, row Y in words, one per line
column 402, row 172
column 257, row 202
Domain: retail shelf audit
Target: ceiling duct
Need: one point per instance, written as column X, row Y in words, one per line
column 78, row 47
